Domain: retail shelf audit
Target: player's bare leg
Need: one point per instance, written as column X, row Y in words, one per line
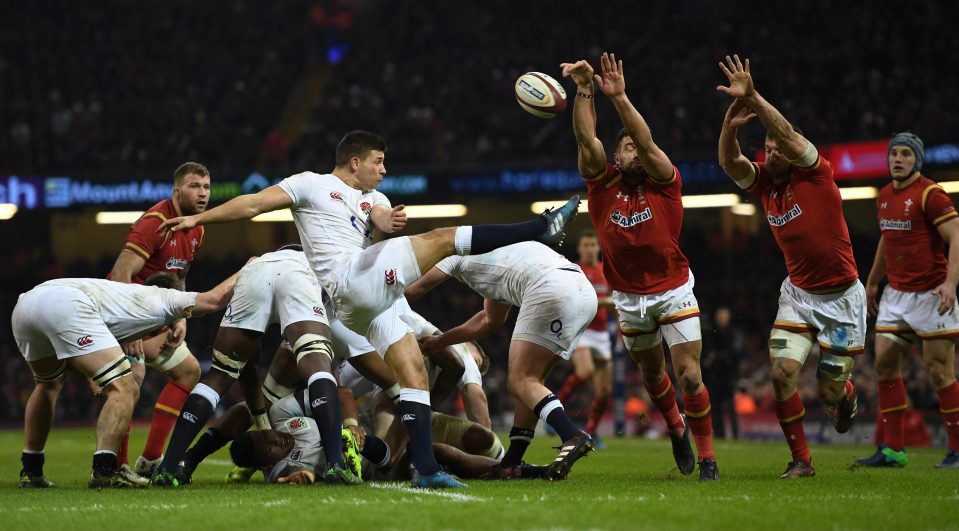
column 529, row 364
column 652, row 361
column 784, row 346
column 940, row 360
column 139, row 371
column 38, row 419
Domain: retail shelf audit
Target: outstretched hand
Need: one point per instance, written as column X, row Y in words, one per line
column 177, row 224
column 740, row 80
column 611, row 82
column 580, row 72
column 738, row 114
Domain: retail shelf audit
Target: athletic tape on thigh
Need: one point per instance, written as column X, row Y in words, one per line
column 789, row 345
column 312, row 344
column 113, row 370
column 168, row 363
column 833, row 367
column 274, row 391
column 227, row 365
column 52, row 375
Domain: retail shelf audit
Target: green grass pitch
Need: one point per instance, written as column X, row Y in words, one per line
column 632, row 484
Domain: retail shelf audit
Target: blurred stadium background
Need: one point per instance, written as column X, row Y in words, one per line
column 100, row 102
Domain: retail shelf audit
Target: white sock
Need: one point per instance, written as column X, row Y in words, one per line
column 463, row 240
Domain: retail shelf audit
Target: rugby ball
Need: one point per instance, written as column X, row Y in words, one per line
column 540, row 94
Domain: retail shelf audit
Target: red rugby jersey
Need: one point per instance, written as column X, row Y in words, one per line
column 595, row 275
column 170, row 253
column 805, row 215
column 912, row 247
column 638, row 229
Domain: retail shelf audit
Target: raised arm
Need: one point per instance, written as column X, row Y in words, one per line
column 731, row 158
column 591, row 155
column 876, row 274
column 792, row 145
column 613, row 85
column 242, row 207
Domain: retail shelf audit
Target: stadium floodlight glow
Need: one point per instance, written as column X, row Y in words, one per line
column 743, row 209
column 858, row 192
column 435, row 211
column 710, row 200
column 117, row 218
column 539, row 206
column 412, row 212
column 951, row 187
column 7, row 210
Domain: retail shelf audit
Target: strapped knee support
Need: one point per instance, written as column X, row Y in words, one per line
column 226, row 364
column 53, row 375
column 273, row 391
column 789, row 345
column 312, row 344
column 113, row 370
column 833, row 367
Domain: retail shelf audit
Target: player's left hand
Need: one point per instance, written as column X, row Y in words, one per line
column 612, row 82
column 580, row 72
column 176, row 333
column 430, row 344
column 947, row 297
column 738, row 114
column 359, row 435
column 740, row 80
column 300, row 477
column 177, row 224
column 397, row 218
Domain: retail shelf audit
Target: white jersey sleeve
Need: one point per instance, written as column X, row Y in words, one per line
column 307, row 448
column 471, row 374
column 297, row 187
column 381, row 199
column 450, row 265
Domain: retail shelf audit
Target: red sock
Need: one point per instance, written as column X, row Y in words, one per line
column 949, row 407
column 892, row 406
column 599, row 408
column 570, row 385
column 700, row 422
column 122, row 452
column 880, row 435
column 791, row 413
column 165, row 413
column 664, row 396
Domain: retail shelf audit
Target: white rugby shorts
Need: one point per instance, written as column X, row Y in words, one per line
column 906, row 314
column 267, row 294
column 838, row 320
column 645, row 320
column 598, row 342
column 59, row 321
column 556, row 311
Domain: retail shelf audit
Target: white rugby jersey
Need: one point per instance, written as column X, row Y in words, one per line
column 505, row 274
column 422, row 328
column 333, row 220
column 130, row 310
column 307, row 449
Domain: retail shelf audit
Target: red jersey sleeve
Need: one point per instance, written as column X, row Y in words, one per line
column 143, row 238
column 821, row 170
column 936, row 205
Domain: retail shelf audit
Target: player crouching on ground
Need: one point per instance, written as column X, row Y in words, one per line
column 822, row 295
column 79, row 323
column 556, row 303
column 917, row 220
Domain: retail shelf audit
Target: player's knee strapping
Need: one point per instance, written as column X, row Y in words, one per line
column 112, row 371
column 224, row 363
column 789, row 345
column 312, row 344
column 52, row 375
column 274, row 391
column 833, row 367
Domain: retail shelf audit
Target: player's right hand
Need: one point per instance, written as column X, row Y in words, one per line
column 133, row 349
column 612, row 82
column 430, row 344
column 300, row 477
column 740, row 80
column 359, row 435
column 872, row 300
column 177, row 224
column 738, row 114
column 580, row 72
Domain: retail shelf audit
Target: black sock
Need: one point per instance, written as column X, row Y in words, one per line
column 32, row 463
column 376, row 451
column 208, row 443
column 196, row 411
column 105, row 463
column 325, row 405
column 557, row 417
column 519, row 440
column 489, row 237
column 416, row 417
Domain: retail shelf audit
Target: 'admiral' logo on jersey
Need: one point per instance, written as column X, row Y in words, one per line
column 895, row 224
column 85, row 341
column 366, row 207
column 336, row 196
column 390, row 277
column 779, row 221
column 176, row 263
column 318, row 311
column 635, row 218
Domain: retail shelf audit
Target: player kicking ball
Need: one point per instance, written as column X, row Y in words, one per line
column 336, row 214
column 556, row 303
column 637, row 209
column 917, row 221
column 822, row 297
column 278, row 287
column 78, row 323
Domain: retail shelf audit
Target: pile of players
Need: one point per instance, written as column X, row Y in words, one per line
column 350, row 335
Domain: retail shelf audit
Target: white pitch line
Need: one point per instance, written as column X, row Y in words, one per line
column 217, row 462
column 428, row 492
